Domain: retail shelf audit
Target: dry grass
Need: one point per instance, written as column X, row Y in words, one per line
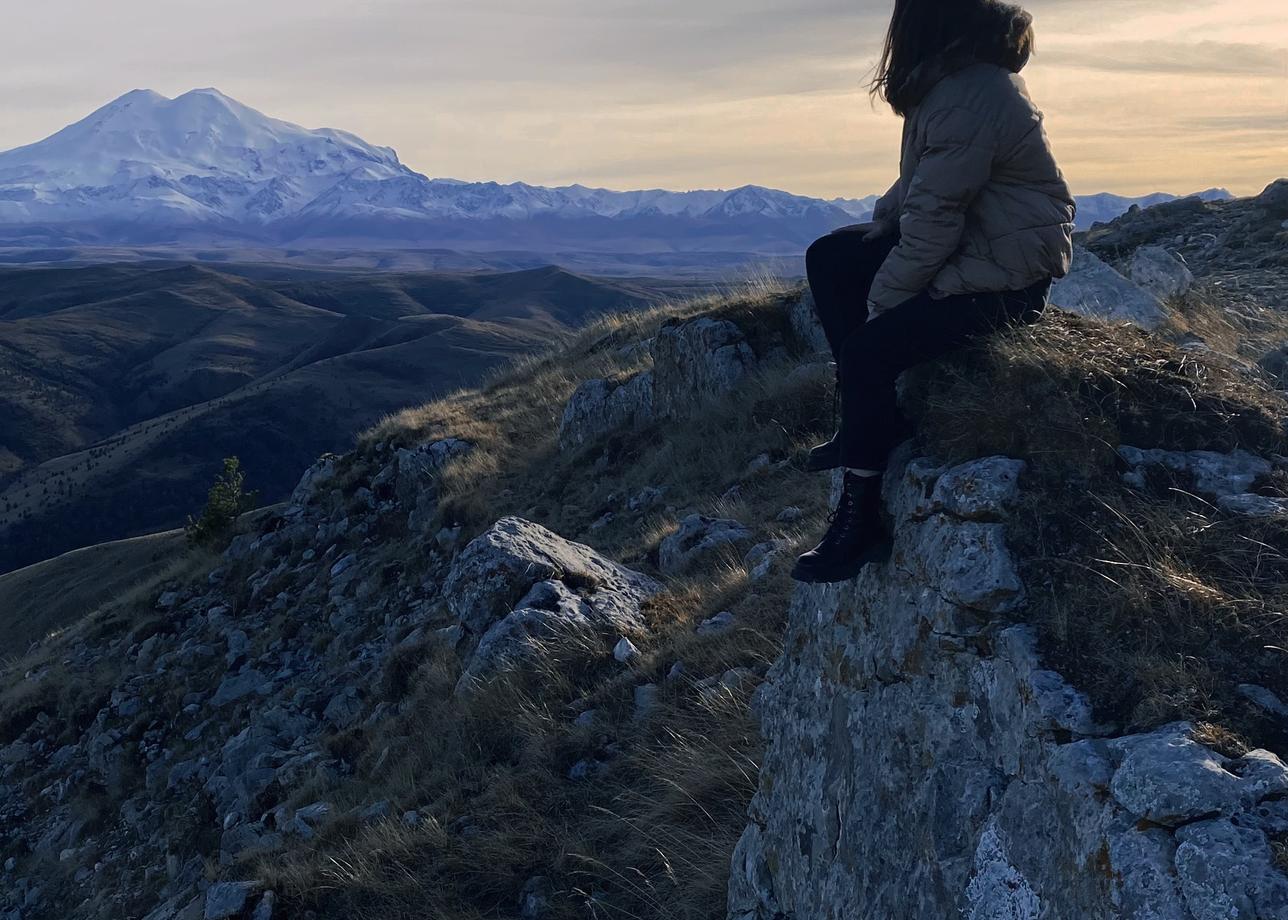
column 43, row 598
column 651, row 835
column 43, row 682
column 1157, row 604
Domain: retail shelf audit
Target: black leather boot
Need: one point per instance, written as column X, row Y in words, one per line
column 856, row 535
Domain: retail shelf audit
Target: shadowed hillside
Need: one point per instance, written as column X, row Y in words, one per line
column 529, row 651
column 124, row 387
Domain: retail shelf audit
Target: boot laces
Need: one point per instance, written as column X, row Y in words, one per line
column 843, row 518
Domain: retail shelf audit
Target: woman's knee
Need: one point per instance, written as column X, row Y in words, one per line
column 865, row 356
column 824, row 251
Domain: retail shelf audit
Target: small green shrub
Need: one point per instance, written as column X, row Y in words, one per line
column 227, row 501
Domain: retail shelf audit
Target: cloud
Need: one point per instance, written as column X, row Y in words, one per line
column 1169, row 57
column 657, row 92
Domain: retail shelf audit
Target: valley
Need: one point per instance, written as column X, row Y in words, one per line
column 125, row 386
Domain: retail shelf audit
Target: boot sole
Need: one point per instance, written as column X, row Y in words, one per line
column 806, row 575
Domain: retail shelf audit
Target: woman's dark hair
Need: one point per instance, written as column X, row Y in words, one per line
column 922, row 31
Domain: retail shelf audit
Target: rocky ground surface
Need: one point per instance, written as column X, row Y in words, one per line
column 1239, row 245
column 922, row 760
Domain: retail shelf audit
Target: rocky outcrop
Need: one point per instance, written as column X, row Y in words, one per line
column 694, row 361
column 697, row 360
column 599, row 406
column 519, row 587
column 924, row 762
column 1093, row 288
column 699, row 538
column 1161, row 273
column 1227, row 479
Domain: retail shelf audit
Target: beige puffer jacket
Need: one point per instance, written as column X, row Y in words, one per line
column 980, row 202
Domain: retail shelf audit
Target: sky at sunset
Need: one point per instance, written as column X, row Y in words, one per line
column 1140, row 95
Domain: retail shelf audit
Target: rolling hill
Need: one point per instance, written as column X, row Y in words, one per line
column 124, row 386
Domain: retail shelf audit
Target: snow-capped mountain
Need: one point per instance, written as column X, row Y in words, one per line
column 203, row 162
column 202, row 157
column 205, row 168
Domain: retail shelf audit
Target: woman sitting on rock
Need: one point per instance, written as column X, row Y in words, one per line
column 967, row 240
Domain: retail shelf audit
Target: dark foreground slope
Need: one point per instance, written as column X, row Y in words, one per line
column 502, row 660
column 124, row 387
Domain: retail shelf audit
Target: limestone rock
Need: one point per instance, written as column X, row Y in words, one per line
column 1168, row 778
column 552, row 612
column 1093, row 288
column 806, row 327
column 416, row 467
column 1228, row 871
column 521, row 587
column 598, row 407
column 696, row 360
column 498, row 568
column 1161, row 273
column 698, row 539
column 311, row 483
column 923, row 762
column 1225, row 478
column 228, row 899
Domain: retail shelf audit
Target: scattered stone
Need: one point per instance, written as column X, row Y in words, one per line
column 1161, row 273
column 344, row 709
column 646, row 697
column 625, row 651
column 228, row 899
column 534, row 900
column 699, row 539
column 1094, row 289
column 1264, row 699
column 264, row 909
column 720, row 623
column 647, row 498
column 239, row 686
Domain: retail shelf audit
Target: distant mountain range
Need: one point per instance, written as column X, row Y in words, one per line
column 205, row 170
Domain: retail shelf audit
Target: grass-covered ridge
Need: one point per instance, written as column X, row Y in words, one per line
column 1155, row 602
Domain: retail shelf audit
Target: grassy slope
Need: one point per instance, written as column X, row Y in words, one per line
column 45, row 597
column 131, row 385
column 1157, row 604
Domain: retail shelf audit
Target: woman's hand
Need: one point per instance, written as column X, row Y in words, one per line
column 872, row 230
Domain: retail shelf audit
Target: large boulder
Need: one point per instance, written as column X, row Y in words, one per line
column 697, row 360
column 598, row 407
column 521, row 588
column 1093, row 288
column 498, row 569
column 1160, row 273
column 923, row 761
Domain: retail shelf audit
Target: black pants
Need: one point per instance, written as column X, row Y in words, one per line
column 870, row 356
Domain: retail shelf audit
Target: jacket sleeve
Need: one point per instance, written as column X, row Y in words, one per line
column 887, row 207
column 956, row 163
